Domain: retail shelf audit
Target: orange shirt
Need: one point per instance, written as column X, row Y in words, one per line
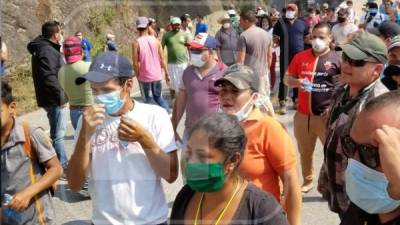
column 269, row 152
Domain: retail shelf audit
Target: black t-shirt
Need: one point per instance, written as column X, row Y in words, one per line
column 256, row 207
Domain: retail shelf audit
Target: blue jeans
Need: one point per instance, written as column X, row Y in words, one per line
column 156, row 90
column 75, row 114
column 57, row 121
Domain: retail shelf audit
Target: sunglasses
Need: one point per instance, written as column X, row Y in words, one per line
column 355, row 63
column 369, row 154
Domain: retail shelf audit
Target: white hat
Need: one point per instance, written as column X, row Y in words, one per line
column 110, row 36
column 223, row 18
column 231, row 12
column 261, row 13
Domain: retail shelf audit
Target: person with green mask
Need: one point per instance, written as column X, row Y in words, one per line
column 215, row 193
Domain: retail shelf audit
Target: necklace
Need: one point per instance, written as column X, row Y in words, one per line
column 223, row 210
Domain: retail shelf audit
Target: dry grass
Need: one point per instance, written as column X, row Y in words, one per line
column 23, row 90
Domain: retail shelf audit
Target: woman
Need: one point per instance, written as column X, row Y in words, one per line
column 270, row 154
column 215, row 192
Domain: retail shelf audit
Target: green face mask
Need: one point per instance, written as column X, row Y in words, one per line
column 205, row 177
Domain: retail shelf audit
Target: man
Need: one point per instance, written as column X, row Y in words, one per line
column 201, row 26
column 152, row 28
column 178, row 57
column 344, row 30
column 111, row 44
column 352, row 12
column 373, row 172
column 291, row 34
column 227, row 39
column 46, row 61
column 234, row 19
column 197, row 94
column 186, row 25
column 124, row 146
column 86, row 46
column 330, row 17
column 255, row 50
column 363, row 61
column 3, row 57
column 31, row 199
column 313, row 72
column 373, row 18
column 148, row 60
column 386, row 31
column 311, row 19
column 269, row 156
column 391, row 75
column 80, row 97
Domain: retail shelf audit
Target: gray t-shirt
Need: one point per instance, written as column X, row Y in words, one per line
column 15, row 173
column 227, row 42
column 256, row 42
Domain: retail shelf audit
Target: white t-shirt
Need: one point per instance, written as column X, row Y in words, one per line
column 375, row 22
column 124, row 188
column 340, row 33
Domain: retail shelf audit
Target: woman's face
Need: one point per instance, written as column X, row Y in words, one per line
column 232, row 99
column 200, row 150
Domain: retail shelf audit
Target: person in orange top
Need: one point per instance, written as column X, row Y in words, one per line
column 270, row 155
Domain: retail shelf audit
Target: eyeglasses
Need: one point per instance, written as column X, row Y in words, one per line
column 355, row 63
column 369, row 155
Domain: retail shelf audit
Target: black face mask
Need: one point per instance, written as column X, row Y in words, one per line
column 342, row 19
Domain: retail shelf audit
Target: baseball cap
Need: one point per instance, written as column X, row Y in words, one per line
column 392, row 70
column 142, row 22
column 107, row 66
column 261, row 13
column 240, row 76
column 72, row 49
column 365, row 45
column 292, row 6
column 325, row 5
column 201, row 41
column 231, row 12
column 175, row 20
column 394, row 43
column 386, row 29
column 223, row 18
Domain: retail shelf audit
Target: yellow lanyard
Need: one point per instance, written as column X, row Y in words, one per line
column 223, row 211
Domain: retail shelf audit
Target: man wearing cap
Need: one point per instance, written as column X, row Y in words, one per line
column 255, row 50
column 178, row 56
column 124, row 146
column 227, row 39
column 391, row 77
column 373, row 18
column 148, row 60
column 80, row 96
column 201, row 26
column 344, row 30
column 197, row 95
column 270, row 154
column 313, row 72
column 363, row 62
column 291, row 34
column 235, row 20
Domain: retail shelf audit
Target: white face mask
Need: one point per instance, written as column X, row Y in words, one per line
column 290, row 14
column 318, row 45
column 226, row 25
column 196, row 60
column 245, row 111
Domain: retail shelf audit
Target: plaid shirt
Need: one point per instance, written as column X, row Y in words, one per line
column 345, row 109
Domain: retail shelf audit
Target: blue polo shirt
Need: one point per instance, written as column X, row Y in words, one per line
column 291, row 36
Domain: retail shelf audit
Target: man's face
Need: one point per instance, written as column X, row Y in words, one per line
column 360, row 73
column 323, row 34
column 206, row 54
column 244, row 24
column 79, row 35
column 176, row 27
column 7, row 113
column 232, row 99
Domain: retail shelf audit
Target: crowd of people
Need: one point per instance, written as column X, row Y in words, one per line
column 341, row 72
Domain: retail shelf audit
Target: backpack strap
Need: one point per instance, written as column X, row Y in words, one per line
column 32, row 155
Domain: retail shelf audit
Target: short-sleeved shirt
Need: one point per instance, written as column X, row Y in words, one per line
column 291, row 39
column 340, row 33
column 375, row 22
column 15, row 172
column 256, row 207
column 78, row 95
column 320, row 71
column 269, row 152
column 201, row 94
column 201, row 28
column 175, row 42
column 124, row 188
column 227, row 41
column 256, row 43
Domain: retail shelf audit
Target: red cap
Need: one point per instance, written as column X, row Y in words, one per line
column 292, row 6
column 72, row 49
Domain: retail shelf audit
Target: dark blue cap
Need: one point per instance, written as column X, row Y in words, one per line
column 107, row 66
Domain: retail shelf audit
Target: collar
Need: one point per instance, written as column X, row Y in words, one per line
column 17, row 135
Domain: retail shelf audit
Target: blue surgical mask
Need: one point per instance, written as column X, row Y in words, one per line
column 111, row 101
column 367, row 188
column 244, row 112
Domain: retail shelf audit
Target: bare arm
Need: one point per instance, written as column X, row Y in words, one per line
column 291, row 81
column 241, row 56
column 179, row 108
column 219, row 54
column 163, row 61
column 269, row 56
column 135, row 57
column 4, row 52
column 292, row 196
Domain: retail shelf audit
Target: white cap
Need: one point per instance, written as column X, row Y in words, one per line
column 231, row 12
column 110, row 36
column 224, row 17
column 261, row 13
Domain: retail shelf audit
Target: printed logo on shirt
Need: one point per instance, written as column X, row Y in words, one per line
column 328, row 65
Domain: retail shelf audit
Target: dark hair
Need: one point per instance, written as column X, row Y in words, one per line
column 50, row 28
column 6, row 92
column 184, row 17
column 142, row 29
column 200, row 16
column 391, row 98
column 249, row 15
column 349, row 2
column 322, row 25
column 78, row 32
column 224, row 133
